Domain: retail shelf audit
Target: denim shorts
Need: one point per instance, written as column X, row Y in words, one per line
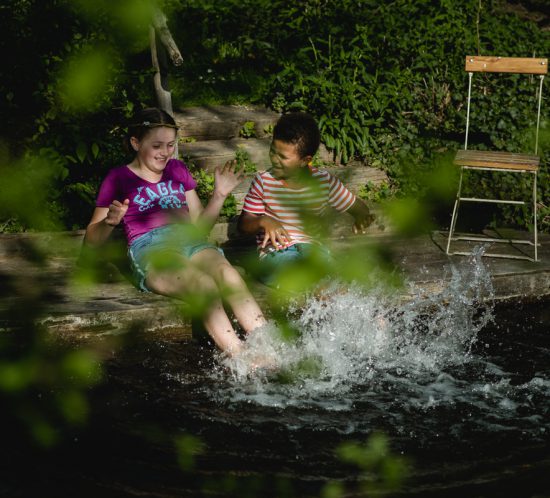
column 166, row 239
column 274, row 262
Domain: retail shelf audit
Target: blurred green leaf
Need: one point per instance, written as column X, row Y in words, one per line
column 408, row 216
column 187, row 448
column 84, row 80
column 25, row 188
column 15, row 376
column 73, row 405
column 82, row 367
column 43, row 432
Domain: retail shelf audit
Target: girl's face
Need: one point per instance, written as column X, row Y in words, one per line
column 155, row 149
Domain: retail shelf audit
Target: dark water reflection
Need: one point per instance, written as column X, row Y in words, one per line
column 478, row 428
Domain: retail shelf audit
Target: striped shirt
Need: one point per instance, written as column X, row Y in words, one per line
column 294, row 208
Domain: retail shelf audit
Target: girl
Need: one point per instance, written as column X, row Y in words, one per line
column 155, row 200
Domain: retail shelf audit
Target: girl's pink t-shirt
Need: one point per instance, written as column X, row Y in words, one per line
column 152, row 205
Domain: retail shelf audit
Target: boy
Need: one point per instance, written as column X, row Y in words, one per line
column 284, row 204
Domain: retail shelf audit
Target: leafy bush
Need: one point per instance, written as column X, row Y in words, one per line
column 384, row 79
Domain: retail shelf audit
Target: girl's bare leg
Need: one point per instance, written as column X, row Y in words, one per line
column 234, row 288
column 181, row 283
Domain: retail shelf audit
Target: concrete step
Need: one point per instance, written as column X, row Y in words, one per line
column 222, row 122
column 209, row 154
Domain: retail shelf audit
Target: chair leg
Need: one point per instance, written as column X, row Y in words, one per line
column 535, row 214
column 455, row 212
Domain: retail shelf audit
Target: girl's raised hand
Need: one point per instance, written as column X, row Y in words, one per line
column 116, row 212
column 228, row 177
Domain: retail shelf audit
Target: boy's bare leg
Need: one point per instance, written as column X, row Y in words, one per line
column 236, row 293
column 181, row 283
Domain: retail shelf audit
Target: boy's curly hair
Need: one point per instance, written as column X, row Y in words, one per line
column 299, row 128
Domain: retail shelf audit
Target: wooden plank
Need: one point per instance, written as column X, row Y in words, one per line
column 493, row 64
column 496, row 159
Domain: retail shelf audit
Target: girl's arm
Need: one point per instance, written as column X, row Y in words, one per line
column 225, row 180
column 103, row 221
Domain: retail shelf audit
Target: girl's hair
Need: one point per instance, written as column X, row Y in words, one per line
column 300, row 129
column 144, row 121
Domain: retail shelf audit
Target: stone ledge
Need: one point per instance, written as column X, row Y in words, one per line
column 109, row 308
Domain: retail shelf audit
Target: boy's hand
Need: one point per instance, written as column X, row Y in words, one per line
column 361, row 224
column 274, row 232
column 227, row 178
column 116, row 212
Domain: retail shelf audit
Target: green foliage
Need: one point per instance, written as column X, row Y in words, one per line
column 376, row 193
column 243, row 159
column 248, row 130
column 26, row 188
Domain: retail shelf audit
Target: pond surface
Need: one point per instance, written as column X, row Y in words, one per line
column 461, row 389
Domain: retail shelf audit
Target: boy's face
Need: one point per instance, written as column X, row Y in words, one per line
column 285, row 160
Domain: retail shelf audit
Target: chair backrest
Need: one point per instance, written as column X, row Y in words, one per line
column 522, row 65
column 518, row 65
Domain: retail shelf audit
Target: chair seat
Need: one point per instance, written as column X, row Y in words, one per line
column 497, row 160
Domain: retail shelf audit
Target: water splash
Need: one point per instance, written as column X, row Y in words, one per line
column 351, row 337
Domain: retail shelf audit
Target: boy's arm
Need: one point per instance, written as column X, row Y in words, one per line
column 361, row 214
column 251, row 224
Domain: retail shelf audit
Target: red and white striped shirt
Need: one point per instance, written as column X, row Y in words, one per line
column 294, row 208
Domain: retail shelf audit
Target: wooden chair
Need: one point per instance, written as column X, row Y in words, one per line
column 499, row 161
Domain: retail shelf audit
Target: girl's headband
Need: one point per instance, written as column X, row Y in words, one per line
column 148, row 124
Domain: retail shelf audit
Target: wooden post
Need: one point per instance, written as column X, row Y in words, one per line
column 160, row 78
column 162, row 43
column 161, row 28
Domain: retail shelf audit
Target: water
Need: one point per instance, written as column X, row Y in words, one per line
column 459, row 385
column 352, row 339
